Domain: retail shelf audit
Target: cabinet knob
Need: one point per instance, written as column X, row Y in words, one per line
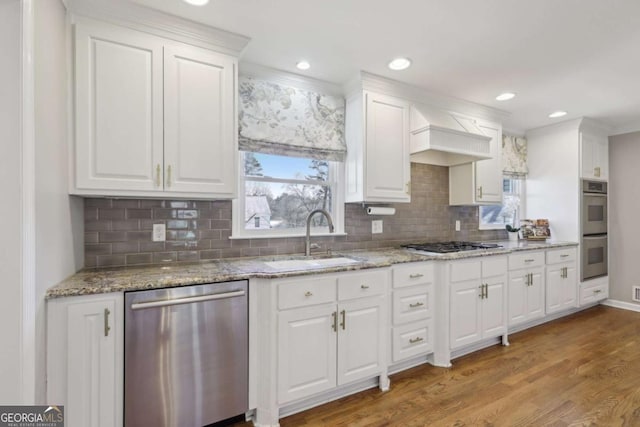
column 308, row 294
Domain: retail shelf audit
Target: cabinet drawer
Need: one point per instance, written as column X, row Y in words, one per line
column 594, row 294
column 411, row 304
column 462, row 271
column 412, row 340
column 526, row 260
column 412, row 274
column 304, row 292
column 360, row 285
column 561, row 255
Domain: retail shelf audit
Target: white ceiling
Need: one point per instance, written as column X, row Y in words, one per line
column 582, row 56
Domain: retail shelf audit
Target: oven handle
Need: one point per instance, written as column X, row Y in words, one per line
column 188, row 300
column 595, row 237
column 595, row 194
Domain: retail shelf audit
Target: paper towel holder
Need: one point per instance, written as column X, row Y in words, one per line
column 379, row 210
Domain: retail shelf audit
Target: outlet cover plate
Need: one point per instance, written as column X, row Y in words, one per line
column 376, row 226
column 159, row 232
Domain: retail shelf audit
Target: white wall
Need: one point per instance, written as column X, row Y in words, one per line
column 59, row 223
column 624, row 209
column 10, row 208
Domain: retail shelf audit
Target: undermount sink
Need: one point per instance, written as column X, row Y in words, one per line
column 306, row 263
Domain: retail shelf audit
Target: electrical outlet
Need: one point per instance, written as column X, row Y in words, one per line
column 376, row 226
column 159, row 232
column 457, row 225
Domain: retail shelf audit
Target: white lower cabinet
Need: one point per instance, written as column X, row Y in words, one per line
column 337, row 342
column 478, row 298
column 561, row 280
column 526, row 287
column 412, row 310
column 85, row 358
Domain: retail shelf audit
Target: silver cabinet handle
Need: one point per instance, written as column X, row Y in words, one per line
column 597, row 291
column 168, row 176
column 107, row 328
column 158, row 171
column 529, row 260
column 564, row 255
column 364, row 286
column 417, row 304
column 177, row 301
column 308, row 294
column 344, row 320
column 481, row 291
column 486, row 290
column 415, row 340
column 334, row 322
column 415, row 276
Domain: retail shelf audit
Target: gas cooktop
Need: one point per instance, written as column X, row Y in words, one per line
column 448, row 247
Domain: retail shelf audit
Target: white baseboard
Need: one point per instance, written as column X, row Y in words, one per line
column 622, row 304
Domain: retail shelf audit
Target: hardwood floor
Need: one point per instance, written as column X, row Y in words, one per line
column 582, row 370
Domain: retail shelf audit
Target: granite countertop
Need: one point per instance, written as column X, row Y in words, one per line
column 120, row 279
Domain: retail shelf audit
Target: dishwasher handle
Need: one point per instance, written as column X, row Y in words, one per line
column 188, row 300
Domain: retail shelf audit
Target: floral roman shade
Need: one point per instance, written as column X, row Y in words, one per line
column 283, row 120
column 514, row 156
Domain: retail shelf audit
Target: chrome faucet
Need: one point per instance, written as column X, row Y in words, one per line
column 307, row 250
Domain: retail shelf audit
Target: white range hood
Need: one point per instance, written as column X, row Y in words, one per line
column 445, row 139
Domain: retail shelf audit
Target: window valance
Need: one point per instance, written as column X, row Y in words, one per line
column 514, row 156
column 283, row 120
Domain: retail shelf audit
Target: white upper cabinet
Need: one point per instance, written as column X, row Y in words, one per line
column 199, row 114
column 152, row 117
column 480, row 182
column 118, row 105
column 377, row 164
column 595, row 156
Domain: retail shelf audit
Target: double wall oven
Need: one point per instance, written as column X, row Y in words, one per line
column 594, row 246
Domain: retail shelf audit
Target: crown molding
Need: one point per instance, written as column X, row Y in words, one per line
column 260, row 72
column 628, row 128
column 159, row 23
column 386, row 86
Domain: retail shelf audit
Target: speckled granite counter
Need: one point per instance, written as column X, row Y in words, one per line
column 97, row 281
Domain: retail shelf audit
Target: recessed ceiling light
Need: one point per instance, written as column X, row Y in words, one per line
column 400, row 64
column 303, row 65
column 505, row 96
column 557, row 114
column 196, row 2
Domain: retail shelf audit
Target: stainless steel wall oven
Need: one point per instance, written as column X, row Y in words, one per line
column 594, row 245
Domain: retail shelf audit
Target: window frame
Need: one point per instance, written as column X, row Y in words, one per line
column 521, row 206
column 335, row 181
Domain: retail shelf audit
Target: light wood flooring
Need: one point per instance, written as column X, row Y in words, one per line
column 582, row 370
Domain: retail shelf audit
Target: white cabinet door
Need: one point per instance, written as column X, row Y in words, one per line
column 466, row 314
column 535, row 295
column 118, row 107
column 595, row 156
column 94, row 374
column 361, row 329
column 199, row 107
column 489, row 171
column 387, row 165
column 494, row 321
column 480, row 182
column 518, row 293
column 562, row 287
column 306, row 352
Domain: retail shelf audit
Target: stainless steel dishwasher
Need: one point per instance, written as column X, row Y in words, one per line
column 186, row 355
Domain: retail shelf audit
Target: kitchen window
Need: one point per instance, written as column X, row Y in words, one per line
column 278, row 192
column 498, row 216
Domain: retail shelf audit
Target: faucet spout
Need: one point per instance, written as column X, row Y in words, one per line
column 307, row 251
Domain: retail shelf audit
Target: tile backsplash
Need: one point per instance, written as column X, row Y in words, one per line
column 118, row 231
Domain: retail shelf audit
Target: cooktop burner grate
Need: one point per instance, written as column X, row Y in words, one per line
column 447, row 247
